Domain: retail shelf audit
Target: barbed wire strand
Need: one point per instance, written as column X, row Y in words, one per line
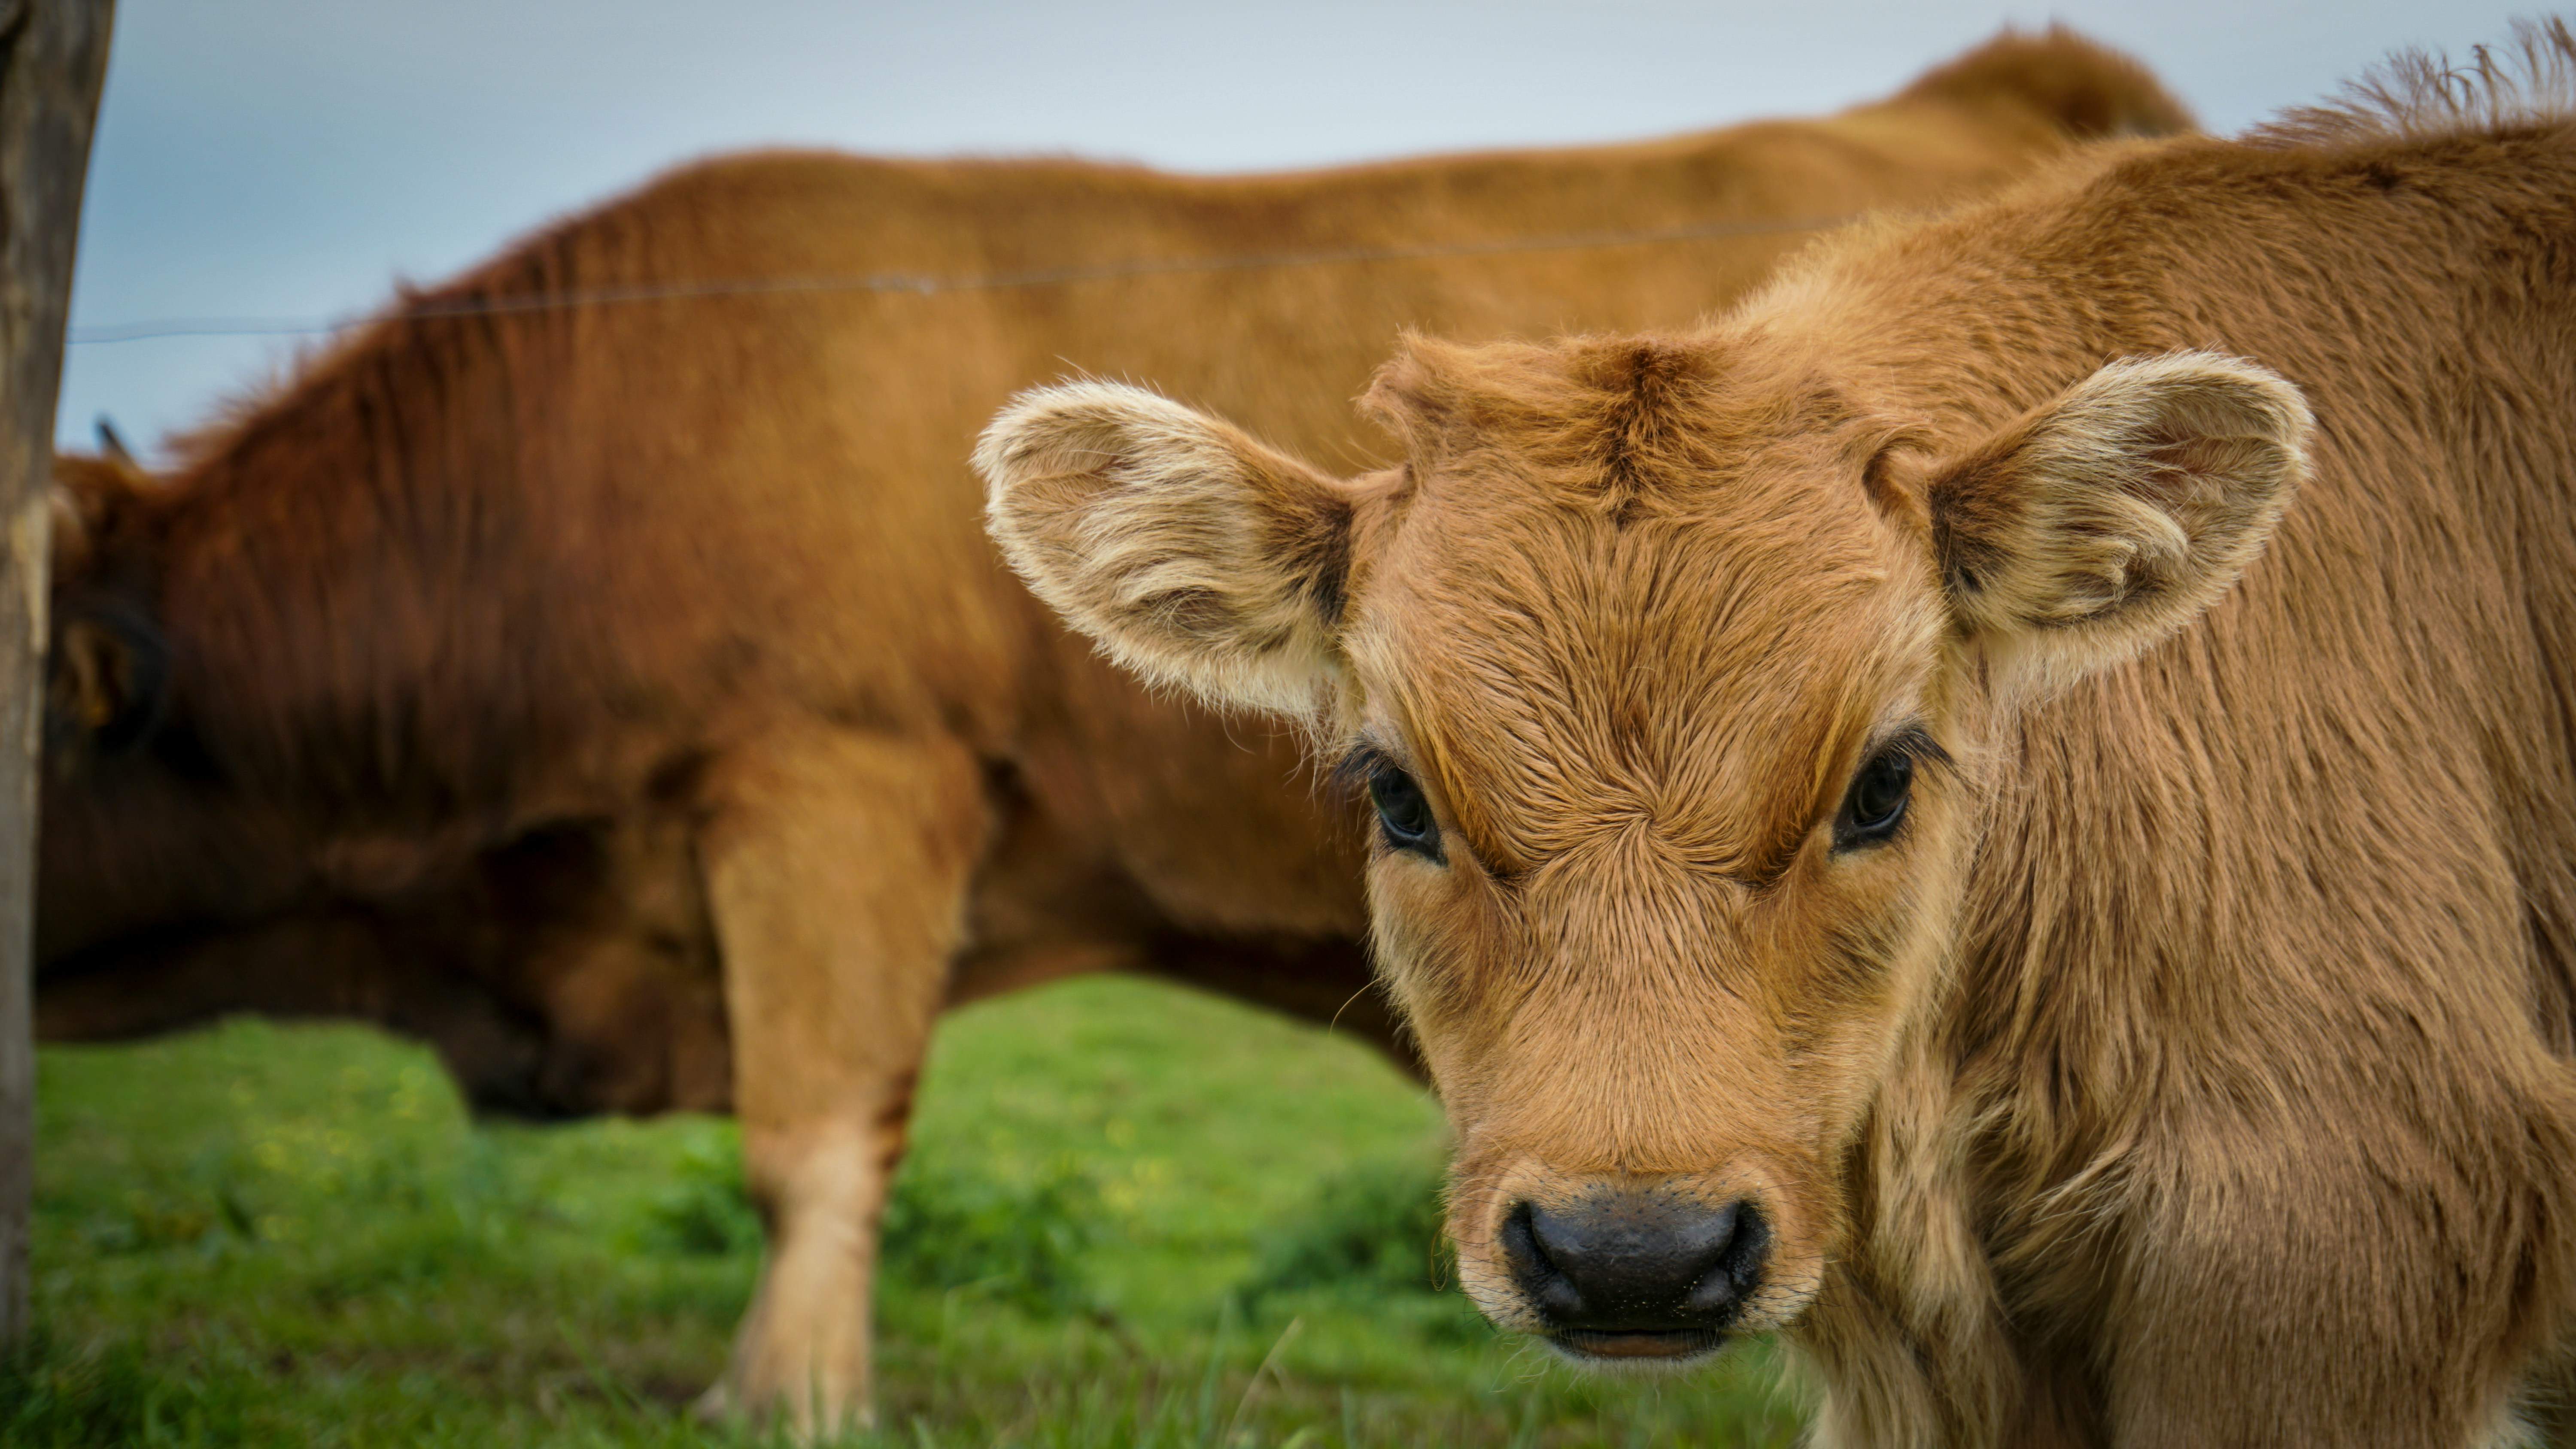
column 923, row 285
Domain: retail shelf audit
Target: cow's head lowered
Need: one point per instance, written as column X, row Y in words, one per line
column 556, row 969
column 1672, row 671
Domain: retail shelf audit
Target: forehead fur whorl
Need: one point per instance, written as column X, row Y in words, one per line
column 1613, row 423
column 1637, row 601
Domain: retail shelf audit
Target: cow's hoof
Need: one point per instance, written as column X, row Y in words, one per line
column 715, row 1406
column 811, row 1418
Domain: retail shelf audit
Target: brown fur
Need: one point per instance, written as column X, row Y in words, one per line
column 605, row 687
column 2192, row 1066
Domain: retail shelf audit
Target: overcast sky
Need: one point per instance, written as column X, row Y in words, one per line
column 294, row 158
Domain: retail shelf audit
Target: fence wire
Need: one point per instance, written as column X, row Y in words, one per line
column 928, row 285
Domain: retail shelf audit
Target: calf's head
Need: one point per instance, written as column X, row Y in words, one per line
column 1672, row 670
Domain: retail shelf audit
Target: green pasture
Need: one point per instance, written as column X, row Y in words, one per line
column 1134, row 1216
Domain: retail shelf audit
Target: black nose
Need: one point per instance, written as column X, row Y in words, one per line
column 1636, row 1262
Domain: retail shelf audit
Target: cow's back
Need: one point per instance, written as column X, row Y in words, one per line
column 602, row 539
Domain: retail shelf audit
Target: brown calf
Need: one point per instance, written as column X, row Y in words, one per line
column 1874, row 843
column 625, row 696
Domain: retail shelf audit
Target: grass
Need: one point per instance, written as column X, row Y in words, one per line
column 1134, row 1216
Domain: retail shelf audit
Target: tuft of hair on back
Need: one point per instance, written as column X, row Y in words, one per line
column 2418, row 94
column 2087, row 90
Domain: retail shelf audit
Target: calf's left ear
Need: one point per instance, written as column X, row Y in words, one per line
column 2107, row 519
column 1194, row 555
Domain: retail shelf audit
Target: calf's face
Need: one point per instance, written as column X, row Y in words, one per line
column 1672, row 671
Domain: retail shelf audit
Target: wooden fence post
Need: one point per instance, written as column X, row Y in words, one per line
column 53, row 58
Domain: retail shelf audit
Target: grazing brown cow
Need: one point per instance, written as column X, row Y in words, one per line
column 1882, row 835
column 625, row 696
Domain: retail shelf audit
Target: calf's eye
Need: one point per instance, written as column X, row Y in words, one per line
column 1403, row 814
column 1875, row 804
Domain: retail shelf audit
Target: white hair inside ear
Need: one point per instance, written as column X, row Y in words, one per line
column 2105, row 520
column 1196, row 556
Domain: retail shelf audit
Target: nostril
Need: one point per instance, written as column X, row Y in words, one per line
column 1735, row 1265
column 1533, row 1271
column 1520, row 1243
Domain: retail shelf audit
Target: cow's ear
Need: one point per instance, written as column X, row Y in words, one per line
column 107, row 678
column 2112, row 516
column 1196, row 556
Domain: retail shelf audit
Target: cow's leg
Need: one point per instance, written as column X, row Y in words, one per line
column 837, row 868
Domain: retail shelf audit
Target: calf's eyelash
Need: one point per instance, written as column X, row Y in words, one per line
column 1351, row 772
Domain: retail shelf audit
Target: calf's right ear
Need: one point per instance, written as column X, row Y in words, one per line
column 1194, row 555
